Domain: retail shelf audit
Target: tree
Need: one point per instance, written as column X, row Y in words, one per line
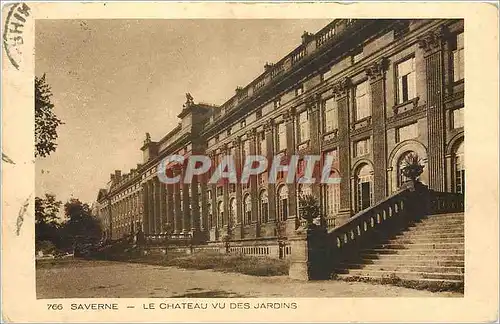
column 46, row 122
column 47, row 225
column 80, row 225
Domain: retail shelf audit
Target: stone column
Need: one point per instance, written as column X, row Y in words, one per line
column 214, row 230
column 238, row 230
column 170, row 206
column 186, row 206
column 163, row 206
column 145, row 214
column 313, row 105
column 341, row 91
column 376, row 75
column 251, row 136
column 225, row 197
column 157, row 204
column 204, row 205
column 195, row 208
column 177, row 208
column 432, row 46
column 290, row 225
column 271, row 187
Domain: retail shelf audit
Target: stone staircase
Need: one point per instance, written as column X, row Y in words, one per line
column 428, row 250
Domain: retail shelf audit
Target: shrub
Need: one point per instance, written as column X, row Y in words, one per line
column 412, row 166
column 255, row 266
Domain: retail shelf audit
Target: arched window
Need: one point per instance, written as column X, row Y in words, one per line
column 232, row 212
column 247, row 209
column 220, row 214
column 459, row 169
column 264, row 207
column 283, row 203
column 401, row 164
column 332, row 199
column 364, row 184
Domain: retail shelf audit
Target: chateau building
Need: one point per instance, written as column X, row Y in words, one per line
column 369, row 92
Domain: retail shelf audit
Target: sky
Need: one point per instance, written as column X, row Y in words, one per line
column 114, row 80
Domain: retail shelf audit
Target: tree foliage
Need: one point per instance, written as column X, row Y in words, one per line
column 46, row 122
column 80, row 224
column 47, row 225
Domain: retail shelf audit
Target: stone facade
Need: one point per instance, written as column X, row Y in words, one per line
column 367, row 91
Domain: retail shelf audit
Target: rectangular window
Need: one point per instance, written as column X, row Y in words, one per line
column 407, row 86
column 258, row 113
column 331, row 115
column 246, row 149
column 327, row 75
column 262, row 143
column 281, row 137
column 356, row 57
column 458, row 118
column 229, row 131
column 458, row 59
column 303, row 126
column 299, row 91
column 362, row 147
column 362, row 101
column 406, row 132
column 277, row 103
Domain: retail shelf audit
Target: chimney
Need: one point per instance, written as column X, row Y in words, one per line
column 139, row 165
column 118, row 175
column 112, row 177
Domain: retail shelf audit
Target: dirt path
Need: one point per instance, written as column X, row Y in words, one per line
column 91, row 279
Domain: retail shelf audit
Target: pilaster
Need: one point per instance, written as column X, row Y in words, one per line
column 341, row 92
column 432, row 47
column 376, row 75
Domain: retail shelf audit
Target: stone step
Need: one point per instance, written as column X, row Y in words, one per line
column 423, row 246
column 435, row 230
column 416, row 261
column 425, row 235
column 444, row 216
column 413, row 257
column 459, row 214
column 426, row 240
column 415, row 251
column 426, row 280
column 446, row 226
column 408, row 275
column 441, row 222
column 401, row 267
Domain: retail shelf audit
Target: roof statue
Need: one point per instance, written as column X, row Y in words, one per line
column 148, row 138
column 189, row 100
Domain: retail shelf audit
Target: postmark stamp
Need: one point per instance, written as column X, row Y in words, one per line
column 13, row 40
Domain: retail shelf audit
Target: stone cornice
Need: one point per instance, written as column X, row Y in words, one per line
column 312, row 102
column 432, row 41
column 341, row 88
column 268, row 126
column 251, row 133
column 376, row 70
column 289, row 115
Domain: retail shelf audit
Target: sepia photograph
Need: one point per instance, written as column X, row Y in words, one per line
column 221, row 162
